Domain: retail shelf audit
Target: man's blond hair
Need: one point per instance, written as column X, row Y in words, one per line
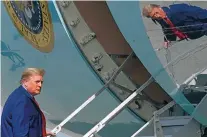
column 147, row 9
column 31, row 71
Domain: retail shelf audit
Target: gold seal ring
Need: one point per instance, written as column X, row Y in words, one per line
column 33, row 21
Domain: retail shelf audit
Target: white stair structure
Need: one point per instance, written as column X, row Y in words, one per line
column 175, row 126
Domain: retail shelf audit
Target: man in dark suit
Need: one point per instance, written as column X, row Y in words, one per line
column 22, row 116
column 181, row 21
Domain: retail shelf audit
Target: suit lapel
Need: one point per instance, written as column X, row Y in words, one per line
column 29, row 96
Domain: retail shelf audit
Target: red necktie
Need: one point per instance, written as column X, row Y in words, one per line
column 43, row 119
column 178, row 33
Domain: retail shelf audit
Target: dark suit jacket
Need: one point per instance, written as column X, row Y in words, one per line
column 189, row 19
column 21, row 117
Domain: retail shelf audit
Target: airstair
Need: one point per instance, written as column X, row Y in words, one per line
column 171, row 126
column 158, row 126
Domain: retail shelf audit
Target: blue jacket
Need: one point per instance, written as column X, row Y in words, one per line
column 21, row 117
column 189, row 19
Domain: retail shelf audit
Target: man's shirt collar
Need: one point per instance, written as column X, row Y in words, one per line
column 27, row 90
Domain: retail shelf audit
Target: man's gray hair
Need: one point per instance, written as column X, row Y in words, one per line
column 31, row 71
column 147, row 9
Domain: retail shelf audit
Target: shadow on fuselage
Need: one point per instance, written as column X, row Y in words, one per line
column 16, row 59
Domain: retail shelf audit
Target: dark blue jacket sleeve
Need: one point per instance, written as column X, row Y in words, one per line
column 21, row 118
column 192, row 19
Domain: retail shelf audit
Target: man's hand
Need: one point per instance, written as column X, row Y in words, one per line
column 166, row 44
column 50, row 134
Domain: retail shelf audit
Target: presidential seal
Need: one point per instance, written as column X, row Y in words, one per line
column 33, row 21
